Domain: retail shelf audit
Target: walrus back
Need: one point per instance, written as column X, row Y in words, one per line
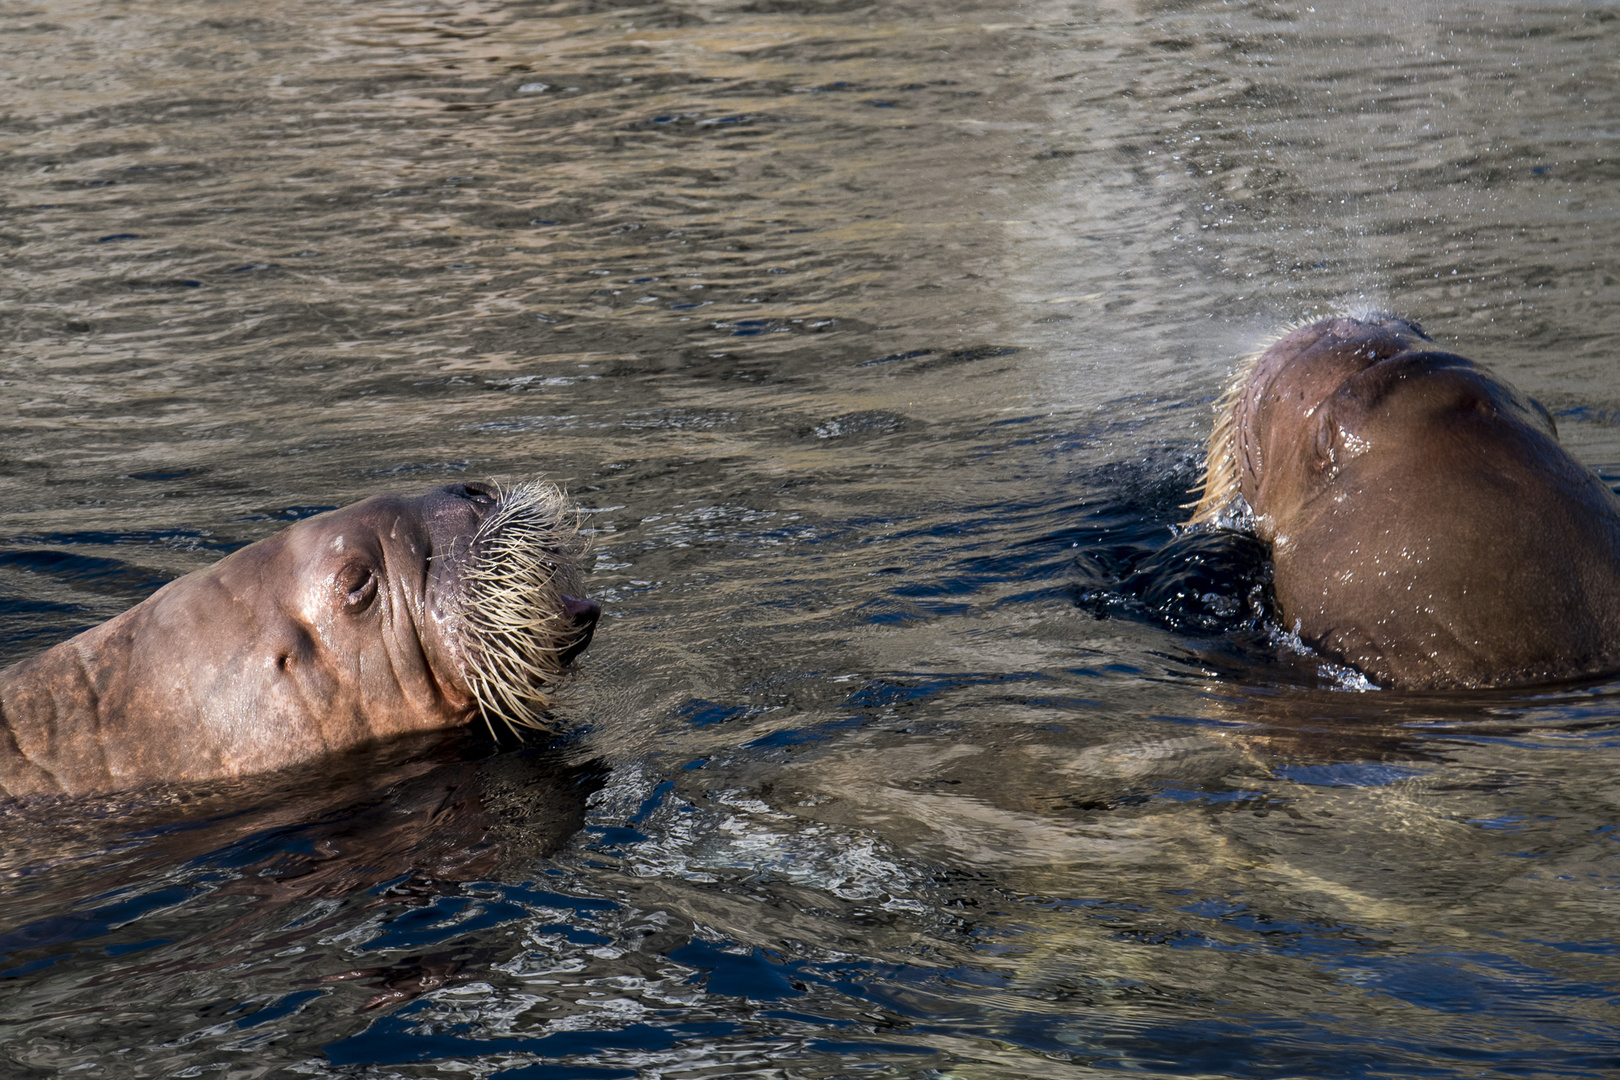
column 1427, row 581
column 1425, row 524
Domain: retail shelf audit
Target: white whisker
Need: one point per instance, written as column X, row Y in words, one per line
column 523, row 560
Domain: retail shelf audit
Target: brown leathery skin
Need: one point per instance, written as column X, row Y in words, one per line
column 339, row 631
column 1426, row 525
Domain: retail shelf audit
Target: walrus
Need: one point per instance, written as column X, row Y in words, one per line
column 398, row 614
column 1425, row 524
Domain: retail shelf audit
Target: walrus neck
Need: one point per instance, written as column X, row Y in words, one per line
column 49, row 739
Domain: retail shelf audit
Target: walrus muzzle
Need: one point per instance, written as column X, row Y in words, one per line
column 398, row 614
column 1425, row 524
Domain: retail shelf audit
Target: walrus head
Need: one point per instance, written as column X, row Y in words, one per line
column 1274, row 407
column 398, row 614
column 1425, row 524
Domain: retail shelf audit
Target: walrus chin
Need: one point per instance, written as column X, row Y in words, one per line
column 518, row 616
column 1424, row 524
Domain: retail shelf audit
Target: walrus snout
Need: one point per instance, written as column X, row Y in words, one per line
column 1349, row 327
column 454, row 512
column 584, row 614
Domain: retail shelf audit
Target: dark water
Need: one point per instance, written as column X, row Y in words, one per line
column 878, row 340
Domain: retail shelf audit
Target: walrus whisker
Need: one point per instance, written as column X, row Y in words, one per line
column 521, row 565
column 491, row 692
column 1218, row 483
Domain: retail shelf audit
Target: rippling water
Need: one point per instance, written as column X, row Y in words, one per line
column 878, row 341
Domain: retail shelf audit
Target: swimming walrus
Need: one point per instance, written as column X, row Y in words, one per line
column 396, row 614
column 1425, row 524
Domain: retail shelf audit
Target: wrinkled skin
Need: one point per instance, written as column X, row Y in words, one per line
column 337, row 632
column 1425, row 524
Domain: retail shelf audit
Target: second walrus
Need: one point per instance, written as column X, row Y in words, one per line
column 1425, row 524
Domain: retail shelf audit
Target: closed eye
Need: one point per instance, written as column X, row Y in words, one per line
column 478, row 494
column 356, row 587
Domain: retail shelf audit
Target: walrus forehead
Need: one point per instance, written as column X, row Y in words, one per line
column 1411, row 391
column 1309, row 365
column 363, row 529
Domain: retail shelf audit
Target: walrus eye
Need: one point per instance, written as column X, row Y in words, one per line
column 1325, row 432
column 356, row 587
column 480, row 494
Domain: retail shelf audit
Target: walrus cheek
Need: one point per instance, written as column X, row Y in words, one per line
column 425, row 693
column 435, row 642
column 384, row 682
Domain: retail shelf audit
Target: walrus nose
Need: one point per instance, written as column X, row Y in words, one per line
column 584, row 614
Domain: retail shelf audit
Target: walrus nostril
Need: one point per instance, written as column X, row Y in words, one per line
column 584, row 614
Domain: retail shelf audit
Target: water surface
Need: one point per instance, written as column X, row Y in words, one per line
column 878, row 342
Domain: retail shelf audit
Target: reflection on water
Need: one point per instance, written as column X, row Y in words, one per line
column 878, row 341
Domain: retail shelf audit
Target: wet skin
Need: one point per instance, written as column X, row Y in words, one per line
column 1425, row 524
column 336, row 632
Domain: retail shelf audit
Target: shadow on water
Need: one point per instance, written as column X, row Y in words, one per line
column 399, row 834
